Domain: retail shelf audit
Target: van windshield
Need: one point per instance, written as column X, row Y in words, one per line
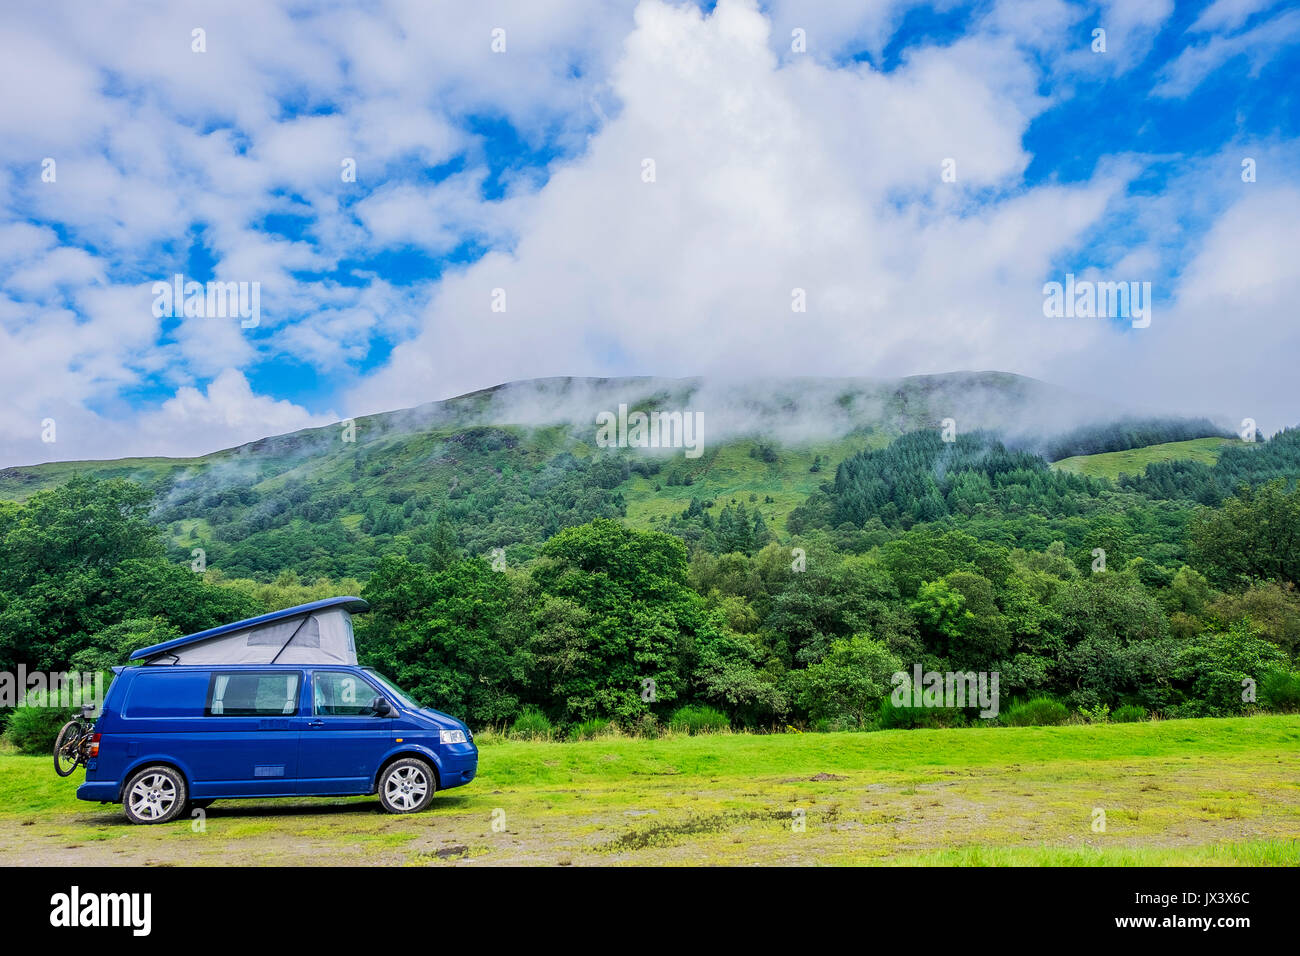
column 401, row 695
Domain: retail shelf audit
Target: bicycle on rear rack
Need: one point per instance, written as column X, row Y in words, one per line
column 73, row 747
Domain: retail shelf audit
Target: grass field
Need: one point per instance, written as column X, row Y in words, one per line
column 1173, row 793
column 1112, row 464
column 733, row 474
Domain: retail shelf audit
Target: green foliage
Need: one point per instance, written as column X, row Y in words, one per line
column 1247, row 463
column 1111, row 640
column 696, row 719
column 1096, row 714
column 431, row 497
column 114, row 644
column 1280, row 690
column 922, row 478
column 288, row 589
column 81, row 558
column 1127, row 433
column 1253, row 536
column 1129, row 714
column 645, row 726
column 845, row 687
column 1134, row 462
column 1039, row 712
column 593, row 729
column 1215, row 668
column 532, row 724
column 622, row 622
column 1272, row 609
column 730, row 673
column 959, row 556
column 893, row 717
column 34, row 727
column 454, row 638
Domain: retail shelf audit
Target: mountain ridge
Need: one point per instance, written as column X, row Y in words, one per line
column 488, row 405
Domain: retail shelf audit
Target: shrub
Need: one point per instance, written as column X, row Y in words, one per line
column 645, row 726
column 893, row 717
column 698, row 719
column 1097, row 714
column 1039, row 712
column 532, row 724
column 1129, row 714
column 846, row 685
column 592, row 729
column 34, row 727
column 1213, row 666
column 1280, row 690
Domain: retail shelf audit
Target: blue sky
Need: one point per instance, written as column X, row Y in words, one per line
column 794, row 146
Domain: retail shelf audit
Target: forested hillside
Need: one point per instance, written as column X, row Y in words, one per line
column 517, row 571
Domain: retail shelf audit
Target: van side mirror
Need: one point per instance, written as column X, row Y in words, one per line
column 382, row 707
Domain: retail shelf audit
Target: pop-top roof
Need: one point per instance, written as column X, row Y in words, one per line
column 353, row 605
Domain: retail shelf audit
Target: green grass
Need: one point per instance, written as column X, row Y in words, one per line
column 1134, row 461
column 730, row 472
column 1192, row 792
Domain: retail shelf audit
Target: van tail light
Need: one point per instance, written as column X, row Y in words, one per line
column 94, row 745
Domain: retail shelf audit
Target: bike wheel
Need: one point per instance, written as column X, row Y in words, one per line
column 67, row 748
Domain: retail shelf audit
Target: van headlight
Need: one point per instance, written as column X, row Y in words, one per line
column 451, row 736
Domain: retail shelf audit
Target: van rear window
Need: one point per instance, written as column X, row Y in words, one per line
column 162, row 692
column 240, row 694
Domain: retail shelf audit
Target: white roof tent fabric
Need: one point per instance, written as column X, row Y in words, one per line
column 316, row 633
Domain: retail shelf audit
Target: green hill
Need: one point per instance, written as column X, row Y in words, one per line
column 1134, row 461
column 510, row 466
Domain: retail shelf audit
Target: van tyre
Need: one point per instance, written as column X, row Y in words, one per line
column 407, row 785
column 155, row 794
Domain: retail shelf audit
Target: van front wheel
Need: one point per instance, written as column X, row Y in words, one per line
column 156, row 794
column 407, row 786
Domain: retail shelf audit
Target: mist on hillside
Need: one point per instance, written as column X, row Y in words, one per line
column 1023, row 411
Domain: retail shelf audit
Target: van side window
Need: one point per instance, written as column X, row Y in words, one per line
column 340, row 694
column 239, row 694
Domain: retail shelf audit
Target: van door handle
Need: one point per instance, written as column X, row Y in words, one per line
column 315, row 723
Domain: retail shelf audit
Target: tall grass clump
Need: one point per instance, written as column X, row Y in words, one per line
column 697, row 719
column 646, row 727
column 1039, row 712
column 1280, row 690
column 1129, row 714
column 593, row 729
column 488, row 736
column 532, row 724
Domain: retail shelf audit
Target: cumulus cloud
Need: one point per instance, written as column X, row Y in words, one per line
column 780, row 177
column 158, row 150
column 227, row 407
column 769, row 178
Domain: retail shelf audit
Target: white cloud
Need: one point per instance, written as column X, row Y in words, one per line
column 1229, row 14
column 768, row 178
column 228, row 411
column 1224, row 343
column 774, row 171
column 1259, row 45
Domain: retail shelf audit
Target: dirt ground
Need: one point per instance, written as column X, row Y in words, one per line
column 1188, row 809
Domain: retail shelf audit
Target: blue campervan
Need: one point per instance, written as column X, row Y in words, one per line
column 275, row 706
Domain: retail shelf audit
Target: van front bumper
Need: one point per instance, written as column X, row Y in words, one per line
column 458, row 769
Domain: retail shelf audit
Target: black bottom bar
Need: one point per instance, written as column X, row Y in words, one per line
column 250, row 908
